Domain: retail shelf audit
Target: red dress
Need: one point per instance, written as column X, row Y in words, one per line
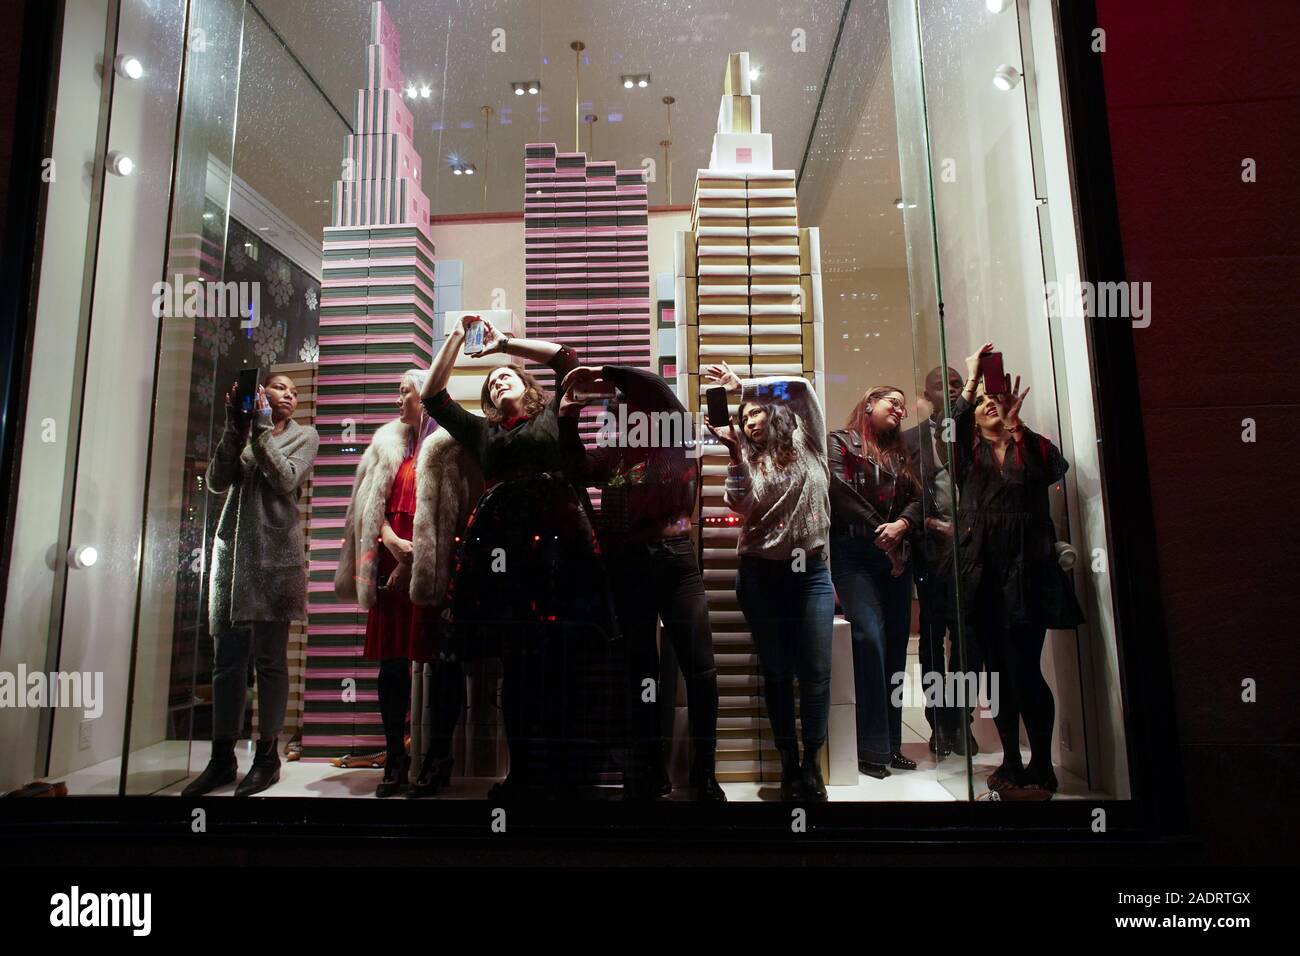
column 393, row 624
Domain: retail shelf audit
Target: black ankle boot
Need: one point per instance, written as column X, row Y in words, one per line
column 222, row 769
column 435, row 775
column 791, row 776
column 814, row 788
column 704, row 782
column 265, row 771
column 395, row 775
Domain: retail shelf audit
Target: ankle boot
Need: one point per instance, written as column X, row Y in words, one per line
column 435, row 775
column 704, row 781
column 222, row 769
column 265, row 771
column 811, row 775
column 791, row 777
column 395, row 775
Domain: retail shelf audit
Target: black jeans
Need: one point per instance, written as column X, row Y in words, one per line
column 791, row 616
column 661, row 581
column 937, row 597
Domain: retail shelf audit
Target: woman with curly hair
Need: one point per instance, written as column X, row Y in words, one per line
column 778, row 481
column 528, row 585
column 875, row 507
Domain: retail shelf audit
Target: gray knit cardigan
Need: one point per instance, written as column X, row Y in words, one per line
column 259, row 566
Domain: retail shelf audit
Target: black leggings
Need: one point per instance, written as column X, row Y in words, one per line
column 1014, row 653
column 394, row 701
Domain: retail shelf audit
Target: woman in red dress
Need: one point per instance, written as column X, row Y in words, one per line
column 375, row 564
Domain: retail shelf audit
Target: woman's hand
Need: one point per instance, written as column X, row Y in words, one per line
column 939, row 526
column 399, row 578
column 493, row 341
column 727, row 436
column 237, row 414
column 584, row 378
column 973, row 363
column 720, row 373
column 897, row 563
column 1009, row 407
column 890, row 534
column 262, row 408
column 401, row 549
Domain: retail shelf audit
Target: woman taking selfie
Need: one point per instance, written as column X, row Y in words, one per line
column 778, row 483
column 875, row 505
column 1012, row 588
column 259, row 575
column 381, row 549
column 529, row 585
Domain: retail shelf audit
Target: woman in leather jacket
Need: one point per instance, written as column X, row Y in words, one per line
column 875, row 507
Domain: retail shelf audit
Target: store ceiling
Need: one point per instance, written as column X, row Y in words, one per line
column 290, row 133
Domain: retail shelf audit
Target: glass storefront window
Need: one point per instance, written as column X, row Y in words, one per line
column 879, row 584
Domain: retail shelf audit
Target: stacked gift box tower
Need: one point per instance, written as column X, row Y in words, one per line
column 376, row 321
column 748, row 292
column 587, row 259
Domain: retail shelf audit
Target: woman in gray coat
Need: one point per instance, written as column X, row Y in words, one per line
column 259, row 575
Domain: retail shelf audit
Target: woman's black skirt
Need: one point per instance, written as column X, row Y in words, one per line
column 528, row 566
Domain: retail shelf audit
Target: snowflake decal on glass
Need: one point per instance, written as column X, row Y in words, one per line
column 268, row 340
column 203, row 388
column 238, row 257
column 200, row 445
column 311, row 298
column 216, row 335
column 310, row 351
column 278, row 279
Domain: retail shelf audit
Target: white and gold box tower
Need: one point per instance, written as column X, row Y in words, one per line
column 748, row 292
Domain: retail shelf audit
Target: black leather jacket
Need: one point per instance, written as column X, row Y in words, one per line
column 865, row 493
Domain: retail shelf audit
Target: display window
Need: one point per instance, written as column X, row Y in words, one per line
column 564, row 404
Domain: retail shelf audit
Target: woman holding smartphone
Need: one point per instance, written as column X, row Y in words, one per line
column 875, row 506
column 380, row 549
column 529, row 585
column 259, row 575
column 1011, row 587
column 778, row 481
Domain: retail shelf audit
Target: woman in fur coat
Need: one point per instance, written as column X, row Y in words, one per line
column 410, row 500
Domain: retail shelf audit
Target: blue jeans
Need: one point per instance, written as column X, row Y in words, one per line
column 879, row 607
column 790, row 615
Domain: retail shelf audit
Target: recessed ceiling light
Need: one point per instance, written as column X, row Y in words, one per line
column 412, row 92
column 753, row 73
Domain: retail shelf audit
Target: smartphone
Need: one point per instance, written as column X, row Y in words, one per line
column 995, row 378
column 592, row 395
column 246, row 389
column 474, row 336
column 719, row 413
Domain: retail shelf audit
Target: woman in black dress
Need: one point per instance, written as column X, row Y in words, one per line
column 528, row 585
column 1011, row 587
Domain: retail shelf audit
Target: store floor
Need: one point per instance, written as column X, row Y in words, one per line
column 928, row 783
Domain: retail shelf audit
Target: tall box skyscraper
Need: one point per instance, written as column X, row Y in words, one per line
column 376, row 321
column 748, row 292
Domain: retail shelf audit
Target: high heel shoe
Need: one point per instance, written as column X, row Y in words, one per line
column 435, row 775
column 395, row 777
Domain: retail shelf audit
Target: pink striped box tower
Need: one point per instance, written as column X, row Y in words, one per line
column 376, row 321
column 587, row 260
